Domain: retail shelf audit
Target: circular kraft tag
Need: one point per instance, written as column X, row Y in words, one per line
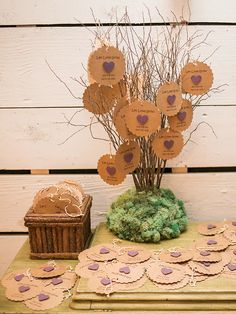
column 106, row 65
column 142, row 118
column 165, row 273
column 99, row 99
column 109, row 171
column 169, row 98
column 196, row 78
column 128, row 157
column 121, row 103
column 167, row 144
column 182, row 120
column 120, row 124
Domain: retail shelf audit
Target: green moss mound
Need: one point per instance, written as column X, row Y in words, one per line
column 147, row 216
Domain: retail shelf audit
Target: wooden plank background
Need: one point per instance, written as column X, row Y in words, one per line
column 33, row 106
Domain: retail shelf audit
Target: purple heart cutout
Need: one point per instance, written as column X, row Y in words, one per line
column 171, row 99
column 211, row 226
column 207, row 264
column 48, row 268
column 231, row 267
column 168, row 144
column 211, row 242
column 108, row 66
column 125, row 270
column 175, row 254
column 19, row 277
column 234, row 223
column 196, row 79
column 23, row 289
column 142, row 119
column 56, row 281
column 105, row 281
column 234, row 252
column 205, row 253
column 43, row 297
column 111, row 170
column 94, row 266
column 133, row 253
column 128, row 157
column 104, row 250
column 181, row 115
column 166, row 271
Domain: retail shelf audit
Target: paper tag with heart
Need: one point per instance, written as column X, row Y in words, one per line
column 133, row 254
column 15, row 277
column 176, row 256
column 206, row 256
column 90, row 269
column 182, row 120
column 142, row 118
column 165, row 273
column 128, row 157
column 47, row 298
column 169, row 98
column 109, row 170
column 99, row 99
column 215, row 243
column 102, row 253
column 82, row 257
column 173, row 286
column 231, row 253
column 230, row 234
column 48, row 271
column 106, row 65
column 20, row 291
column 120, row 124
column 130, row 285
column 102, row 285
column 210, row 228
column 196, row 78
column 124, row 273
column 64, row 282
column 168, row 144
column 230, row 270
column 207, row 268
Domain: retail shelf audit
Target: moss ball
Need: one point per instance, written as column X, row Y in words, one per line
column 147, row 216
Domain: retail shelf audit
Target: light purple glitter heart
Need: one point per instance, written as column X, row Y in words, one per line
column 19, row 277
column 231, row 267
column 128, row 157
column 111, row 170
column 48, row 268
column 133, row 253
column 205, row 253
column 196, row 79
column 94, row 266
column 23, row 289
column 104, row 250
column 211, row 242
column 125, row 270
column 142, row 119
column 181, row 115
column 168, row 144
column 207, row 264
column 211, row 226
column 105, row 281
column 108, row 66
column 175, row 254
column 56, row 281
column 171, row 99
column 43, row 297
column 166, row 271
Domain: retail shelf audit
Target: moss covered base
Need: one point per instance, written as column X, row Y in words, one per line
column 147, row 216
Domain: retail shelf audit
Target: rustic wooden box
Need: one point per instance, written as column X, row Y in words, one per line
column 59, row 236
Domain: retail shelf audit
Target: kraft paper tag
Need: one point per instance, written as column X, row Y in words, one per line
column 206, row 256
column 142, row 118
column 230, row 235
column 124, row 273
column 176, row 256
column 133, row 255
column 207, row 268
column 109, row 170
column 173, row 286
column 82, row 257
column 169, row 98
column 99, row 99
column 46, row 299
column 168, row 144
column 101, row 253
column 102, row 285
column 182, row 120
column 128, row 157
column 215, row 243
column 64, row 282
column 23, row 291
column 230, row 270
column 210, row 228
column 48, row 271
column 196, row 78
column 18, row 276
column 90, row 269
column 165, row 273
column 106, row 65
column 120, row 124
column 131, row 285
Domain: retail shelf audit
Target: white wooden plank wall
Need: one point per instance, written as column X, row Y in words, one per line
column 33, row 104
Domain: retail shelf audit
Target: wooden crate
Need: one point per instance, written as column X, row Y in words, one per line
column 58, row 236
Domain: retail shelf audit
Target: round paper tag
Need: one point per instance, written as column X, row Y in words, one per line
column 124, row 273
column 128, row 157
column 197, row 78
column 169, row 98
column 177, row 256
column 23, row 291
column 216, row 243
column 102, row 253
column 106, row 65
column 167, row 144
column 99, row 99
column 133, row 255
column 120, row 125
column 48, row 271
column 207, row 268
column 162, row 272
column 109, row 171
column 182, row 120
column 210, row 228
column 142, row 118
column 90, row 269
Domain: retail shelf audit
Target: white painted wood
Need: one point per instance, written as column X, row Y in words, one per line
column 8, row 252
column 30, row 139
column 66, row 11
column 26, row 80
column 206, row 195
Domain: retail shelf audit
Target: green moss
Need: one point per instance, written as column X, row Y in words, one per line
column 147, row 216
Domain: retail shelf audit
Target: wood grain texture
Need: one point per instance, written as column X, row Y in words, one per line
column 206, row 196
column 26, row 80
column 36, row 136
column 14, row 12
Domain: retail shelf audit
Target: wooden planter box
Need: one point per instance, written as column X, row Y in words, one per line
column 58, row 236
